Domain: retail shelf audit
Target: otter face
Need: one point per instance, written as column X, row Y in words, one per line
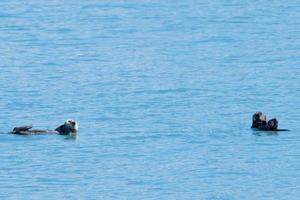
column 259, row 116
column 258, row 119
column 72, row 125
column 69, row 127
column 273, row 124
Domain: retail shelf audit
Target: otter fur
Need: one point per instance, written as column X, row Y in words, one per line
column 259, row 122
column 70, row 127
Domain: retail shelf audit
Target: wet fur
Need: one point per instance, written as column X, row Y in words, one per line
column 259, row 122
column 70, row 127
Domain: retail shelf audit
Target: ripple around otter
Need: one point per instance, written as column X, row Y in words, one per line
column 163, row 92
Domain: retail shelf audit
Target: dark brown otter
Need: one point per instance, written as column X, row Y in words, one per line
column 259, row 122
column 70, row 127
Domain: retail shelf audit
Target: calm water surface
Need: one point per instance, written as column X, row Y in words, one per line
column 163, row 91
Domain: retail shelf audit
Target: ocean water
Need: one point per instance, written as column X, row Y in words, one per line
column 164, row 92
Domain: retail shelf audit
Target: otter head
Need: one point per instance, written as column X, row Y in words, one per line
column 72, row 125
column 69, row 127
column 258, row 120
column 273, row 124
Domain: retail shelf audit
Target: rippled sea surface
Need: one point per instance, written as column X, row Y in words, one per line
column 163, row 91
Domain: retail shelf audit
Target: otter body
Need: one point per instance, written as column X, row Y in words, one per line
column 70, row 127
column 259, row 122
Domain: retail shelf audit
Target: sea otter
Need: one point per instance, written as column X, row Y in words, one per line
column 70, row 127
column 259, row 122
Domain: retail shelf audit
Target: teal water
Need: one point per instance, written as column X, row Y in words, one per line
column 163, row 92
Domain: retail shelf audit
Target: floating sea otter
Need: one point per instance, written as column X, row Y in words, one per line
column 70, row 127
column 259, row 121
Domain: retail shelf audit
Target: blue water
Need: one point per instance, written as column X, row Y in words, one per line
column 163, row 91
